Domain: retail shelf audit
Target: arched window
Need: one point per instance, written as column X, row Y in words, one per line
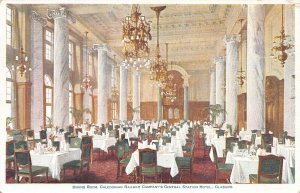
column 170, row 113
column 70, row 102
column 9, row 90
column 49, row 98
column 176, row 113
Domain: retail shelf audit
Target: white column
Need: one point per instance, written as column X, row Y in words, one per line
column 123, row 93
column 136, row 94
column 61, row 66
column 86, row 92
column 232, row 60
column 37, row 73
column 103, row 85
column 212, row 95
column 159, row 104
column 220, row 83
column 297, row 61
column 289, row 74
column 255, row 68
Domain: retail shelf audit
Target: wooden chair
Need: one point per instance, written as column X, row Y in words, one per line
column 21, row 145
column 75, row 142
column 220, row 133
column 243, row 144
column 186, row 163
column 10, row 150
column 56, row 144
column 269, row 170
column 267, row 141
column 220, row 167
column 229, row 144
column 30, row 138
column 43, row 137
column 148, row 164
column 121, row 157
column 86, row 152
column 87, row 139
column 24, row 167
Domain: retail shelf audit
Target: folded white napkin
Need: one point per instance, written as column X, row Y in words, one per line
column 270, row 132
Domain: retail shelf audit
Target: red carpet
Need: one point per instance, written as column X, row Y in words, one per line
column 103, row 170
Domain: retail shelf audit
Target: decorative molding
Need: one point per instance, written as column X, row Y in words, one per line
column 37, row 17
column 101, row 47
column 232, row 38
column 219, row 60
column 61, row 12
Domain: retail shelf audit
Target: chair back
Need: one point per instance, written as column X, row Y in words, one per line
column 77, row 130
column 147, row 157
column 173, row 133
column 120, row 150
column 111, row 133
column 243, row 144
column 229, row 127
column 229, row 142
column 10, row 148
column 75, row 142
column 22, row 159
column 71, row 129
column 270, row 169
column 220, row 133
column 61, row 130
column 86, row 139
column 253, row 137
column 267, row 141
column 86, row 152
column 156, row 143
column 110, row 128
column 21, row 145
column 166, row 140
column 215, row 155
column 30, row 135
column 43, row 135
column 56, row 144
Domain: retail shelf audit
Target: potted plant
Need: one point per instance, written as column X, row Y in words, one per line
column 214, row 111
column 77, row 113
column 9, row 121
column 49, row 122
column 135, row 111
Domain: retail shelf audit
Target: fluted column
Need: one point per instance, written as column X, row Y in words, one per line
column 123, row 93
column 136, row 94
column 103, row 85
column 37, row 74
column 232, row 60
column 159, row 104
column 255, row 68
column 212, row 95
column 220, row 83
column 61, row 66
column 289, row 77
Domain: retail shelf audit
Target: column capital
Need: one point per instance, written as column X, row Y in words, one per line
column 232, row 38
column 102, row 47
column 37, row 17
column 219, row 59
column 61, row 12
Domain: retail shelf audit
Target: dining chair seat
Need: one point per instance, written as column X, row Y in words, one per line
column 36, row 170
column 253, row 179
column 75, row 164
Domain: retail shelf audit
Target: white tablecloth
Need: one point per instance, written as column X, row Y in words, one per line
column 103, row 142
column 54, row 161
column 245, row 165
column 288, row 153
column 164, row 159
column 219, row 144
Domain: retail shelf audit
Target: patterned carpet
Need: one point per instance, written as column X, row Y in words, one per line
column 104, row 170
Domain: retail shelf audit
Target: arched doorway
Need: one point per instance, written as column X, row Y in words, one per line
column 173, row 110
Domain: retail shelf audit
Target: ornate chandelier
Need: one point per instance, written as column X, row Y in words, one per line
column 86, row 82
column 22, row 61
column 135, row 37
column 281, row 46
column 241, row 73
column 158, row 68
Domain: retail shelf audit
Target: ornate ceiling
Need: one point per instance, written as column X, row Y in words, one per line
column 192, row 31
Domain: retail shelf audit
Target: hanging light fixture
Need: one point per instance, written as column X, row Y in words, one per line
column 114, row 89
column 86, row 82
column 282, row 47
column 22, row 61
column 158, row 68
column 135, row 37
column 169, row 88
column 241, row 73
